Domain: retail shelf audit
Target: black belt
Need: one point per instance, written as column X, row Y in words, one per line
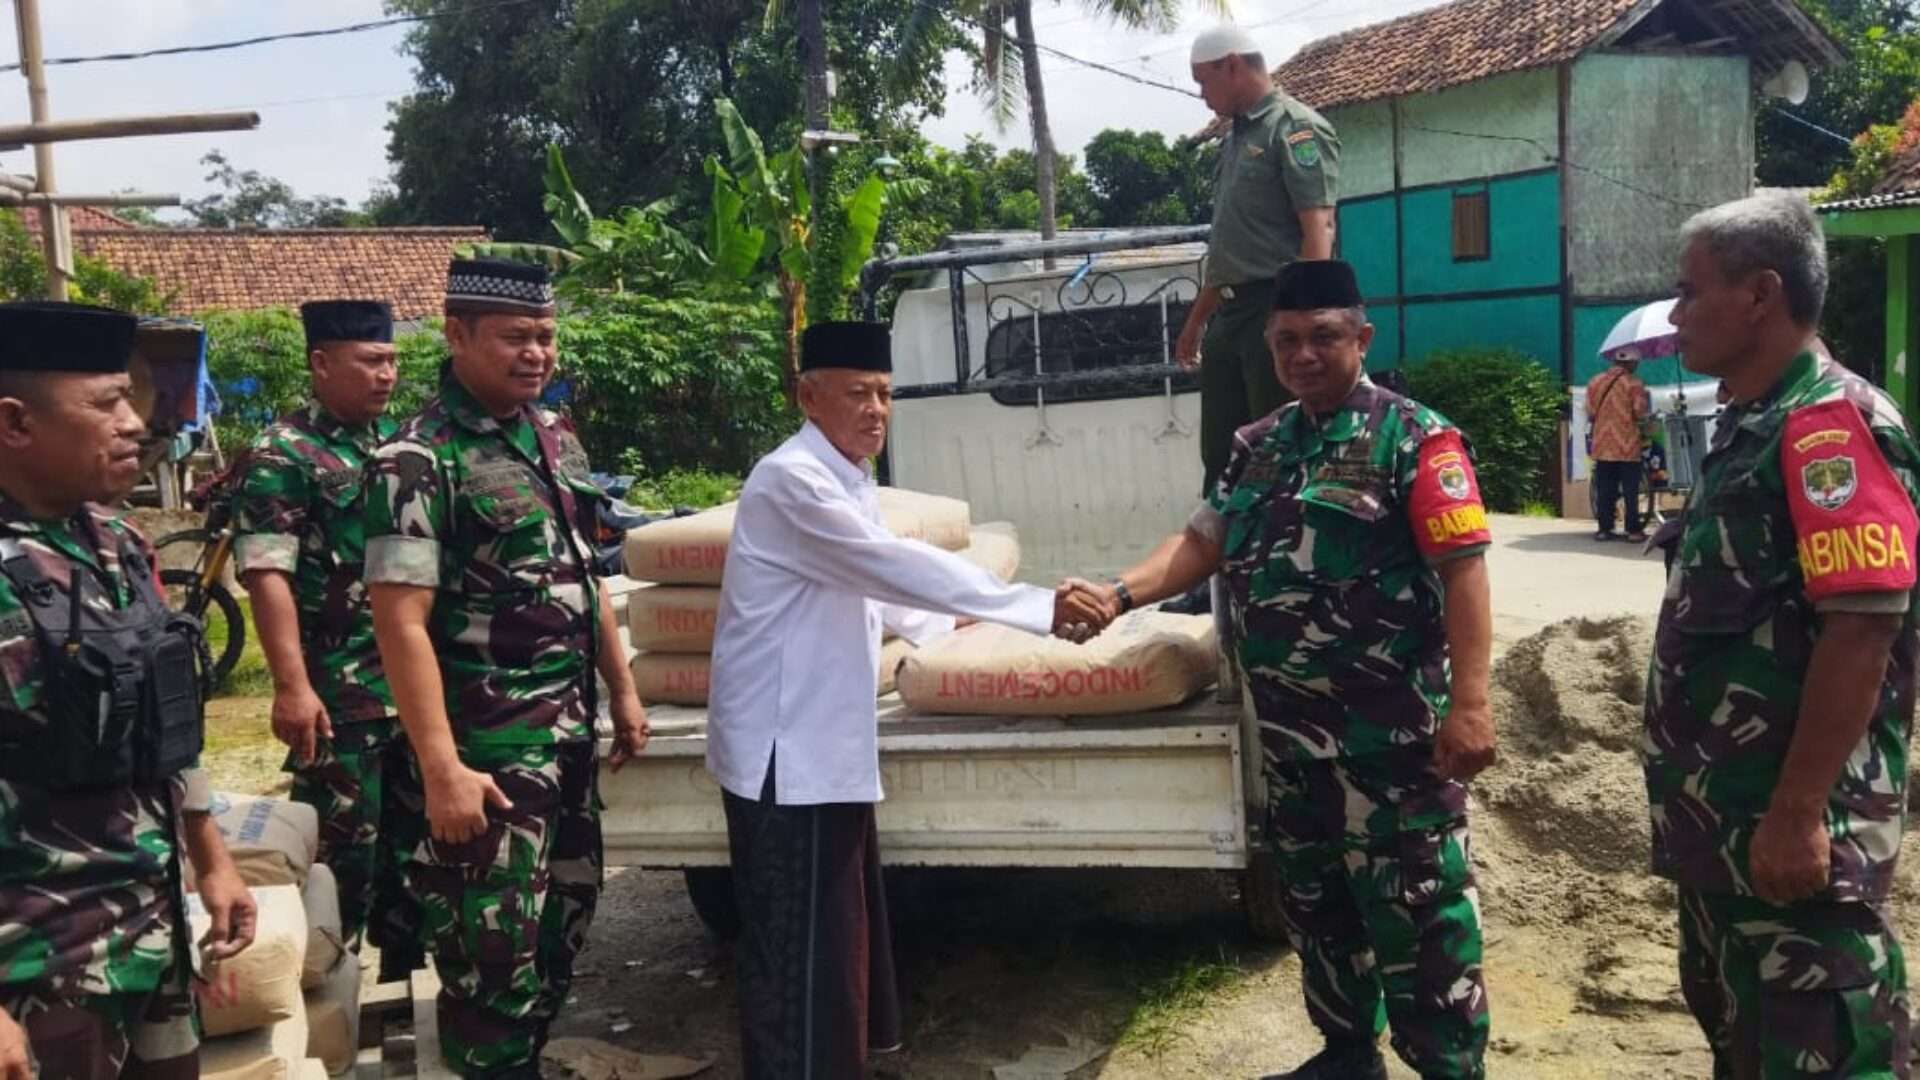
column 1246, row 290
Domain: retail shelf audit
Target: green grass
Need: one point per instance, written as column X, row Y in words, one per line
column 1166, row 1004
column 1537, row 509
column 250, row 676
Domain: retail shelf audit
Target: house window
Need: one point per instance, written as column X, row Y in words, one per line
column 1088, row 339
column 1472, row 234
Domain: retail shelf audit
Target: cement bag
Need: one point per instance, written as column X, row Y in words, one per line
column 995, row 548
column 690, row 550
column 1146, row 660
column 272, row 841
column 891, row 654
column 672, row 678
column 326, row 943
column 617, row 590
column 333, row 1017
column 270, row 1053
column 673, row 618
column 914, row 515
column 265, row 979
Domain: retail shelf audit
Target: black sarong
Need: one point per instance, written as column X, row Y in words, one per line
column 815, row 956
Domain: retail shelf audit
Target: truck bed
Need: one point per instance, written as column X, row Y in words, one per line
column 1157, row 789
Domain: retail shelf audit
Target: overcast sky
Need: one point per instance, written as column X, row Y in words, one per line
column 323, row 102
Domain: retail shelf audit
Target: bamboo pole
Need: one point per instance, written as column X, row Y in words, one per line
column 128, row 198
column 39, row 134
column 53, row 219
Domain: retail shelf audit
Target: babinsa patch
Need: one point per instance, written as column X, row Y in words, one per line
column 1829, row 482
column 1453, row 481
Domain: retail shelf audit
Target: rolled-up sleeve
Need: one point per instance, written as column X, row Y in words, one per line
column 406, row 516
column 270, row 512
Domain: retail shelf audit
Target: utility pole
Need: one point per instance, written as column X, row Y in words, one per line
column 55, row 232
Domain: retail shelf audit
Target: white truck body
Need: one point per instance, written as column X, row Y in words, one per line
column 1091, row 486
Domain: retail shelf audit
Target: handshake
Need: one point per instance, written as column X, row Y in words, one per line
column 1081, row 609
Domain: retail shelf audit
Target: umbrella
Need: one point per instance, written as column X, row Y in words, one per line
column 1648, row 330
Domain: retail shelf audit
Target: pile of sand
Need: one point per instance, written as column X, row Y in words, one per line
column 1563, row 816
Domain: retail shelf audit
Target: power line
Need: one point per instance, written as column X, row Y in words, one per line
column 1552, row 157
column 1095, row 65
column 241, row 43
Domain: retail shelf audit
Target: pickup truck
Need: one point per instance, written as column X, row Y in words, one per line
column 1035, row 381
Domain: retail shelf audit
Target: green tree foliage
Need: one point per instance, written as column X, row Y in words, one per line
column 1508, row 405
column 677, row 382
column 1874, row 87
column 249, row 199
column 1139, row 180
column 626, row 88
column 23, row 275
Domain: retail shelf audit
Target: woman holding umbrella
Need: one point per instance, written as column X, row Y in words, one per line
column 1617, row 409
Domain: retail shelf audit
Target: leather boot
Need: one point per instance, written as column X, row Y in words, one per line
column 1343, row 1060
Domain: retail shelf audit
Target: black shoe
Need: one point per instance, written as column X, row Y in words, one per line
column 1195, row 601
column 1341, row 1061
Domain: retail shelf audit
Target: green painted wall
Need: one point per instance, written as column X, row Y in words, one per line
column 1437, row 131
column 1528, row 323
column 1366, row 148
column 1385, row 352
column 1654, row 138
column 1523, row 223
column 1367, row 240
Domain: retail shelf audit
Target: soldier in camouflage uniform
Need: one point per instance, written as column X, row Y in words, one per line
column 1782, row 690
column 92, row 956
column 1350, row 529
column 492, row 626
column 300, row 515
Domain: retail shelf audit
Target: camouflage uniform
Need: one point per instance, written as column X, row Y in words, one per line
column 300, row 512
column 494, row 515
column 1804, row 506
column 87, row 948
column 1330, row 532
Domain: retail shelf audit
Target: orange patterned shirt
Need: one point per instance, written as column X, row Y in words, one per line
column 1615, row 414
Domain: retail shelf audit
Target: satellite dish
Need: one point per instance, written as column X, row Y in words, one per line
column 1790, row 83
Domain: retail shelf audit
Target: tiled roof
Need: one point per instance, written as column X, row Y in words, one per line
column 1468, row 40
column 247, row 269
column 78, row 217
column 1457, row 43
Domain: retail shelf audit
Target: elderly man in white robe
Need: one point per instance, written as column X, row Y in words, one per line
column 811, row 579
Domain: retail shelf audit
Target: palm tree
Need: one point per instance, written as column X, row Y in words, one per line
column 1007, row 84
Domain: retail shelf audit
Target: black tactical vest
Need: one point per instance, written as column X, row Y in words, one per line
column 122, row 686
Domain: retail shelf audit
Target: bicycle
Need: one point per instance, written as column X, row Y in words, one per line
column 198, row 591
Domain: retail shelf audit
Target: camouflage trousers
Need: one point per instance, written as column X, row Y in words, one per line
column 1380, row 904
column 372, row 815
column 151, row 1035
column 507, row 912
column 1817, row 988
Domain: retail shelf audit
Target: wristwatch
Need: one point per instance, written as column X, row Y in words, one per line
column 1123, row 594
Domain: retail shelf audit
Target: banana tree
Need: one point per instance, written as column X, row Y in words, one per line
column 763, row 216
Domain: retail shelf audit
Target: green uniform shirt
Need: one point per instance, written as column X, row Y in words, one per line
column 1805, row 505
column 1279, row 159
column 83, row 874
column 301, row 511
column 494, row 515
column 1330, row 530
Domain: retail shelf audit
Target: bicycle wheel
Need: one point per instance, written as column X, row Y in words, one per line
column 217, row 610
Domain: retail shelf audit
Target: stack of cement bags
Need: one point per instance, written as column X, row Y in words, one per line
column 1146, row 660
column 671, row 621
column 290, row 1004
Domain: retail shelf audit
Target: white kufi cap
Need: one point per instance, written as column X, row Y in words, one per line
column 1222, row 42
